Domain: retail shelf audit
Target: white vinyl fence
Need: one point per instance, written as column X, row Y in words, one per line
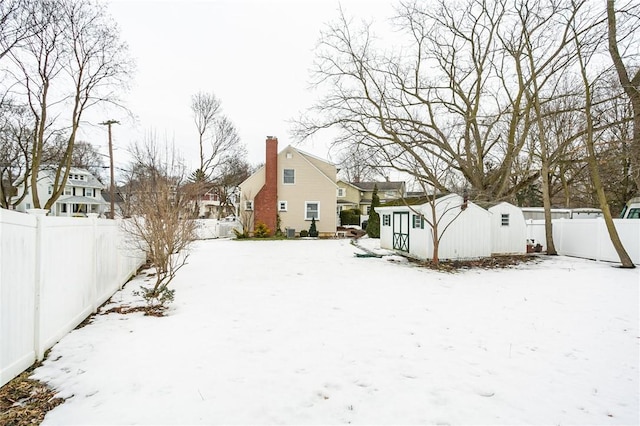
column 212, row 228
column 588, row 238
column 54, row 272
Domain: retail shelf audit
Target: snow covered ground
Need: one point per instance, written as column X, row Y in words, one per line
column 304, row 332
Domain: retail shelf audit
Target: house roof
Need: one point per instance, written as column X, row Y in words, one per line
column 117, row 197
column 340, row 181
column 382, row 186
column 91, row 182
column 306, row 156
column 78, row 200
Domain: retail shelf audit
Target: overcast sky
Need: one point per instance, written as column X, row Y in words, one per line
column 253, row 55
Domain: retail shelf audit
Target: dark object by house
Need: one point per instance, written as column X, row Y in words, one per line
column 533, row 248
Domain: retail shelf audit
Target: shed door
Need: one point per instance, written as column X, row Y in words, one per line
column 401, row 231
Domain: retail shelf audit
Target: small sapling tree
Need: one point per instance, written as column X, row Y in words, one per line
column 373, row 223
column 158, row 224
column 313, row 232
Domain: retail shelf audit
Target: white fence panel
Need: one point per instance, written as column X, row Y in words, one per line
column 589, row 238
column 629, row 231
column 17, row 299
column 54, row 272
column 212, row 228
column 579, row 238
column 65, row 272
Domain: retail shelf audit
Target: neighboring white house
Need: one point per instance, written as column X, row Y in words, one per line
column 468, row 234
column 82, row 194
column 508, row 229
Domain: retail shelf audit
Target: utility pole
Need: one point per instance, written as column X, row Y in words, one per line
column 112, row 185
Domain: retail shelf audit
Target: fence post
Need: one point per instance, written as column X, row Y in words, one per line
column 93, row 290
column 37, row 341
column 600, row 227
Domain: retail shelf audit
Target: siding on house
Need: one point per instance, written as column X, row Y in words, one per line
column 314, row 181
column 351, row 197
column 82, row 194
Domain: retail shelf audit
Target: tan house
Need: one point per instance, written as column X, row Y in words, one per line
column 291, row 189
column 359, row 194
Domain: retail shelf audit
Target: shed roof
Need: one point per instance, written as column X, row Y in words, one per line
column 382, row 186
column 412, row 201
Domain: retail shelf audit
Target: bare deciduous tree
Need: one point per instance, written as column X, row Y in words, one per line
column 218, row 138
column 450, row 94
column 585, row 54
column 74, row 61
column 15, row 159
column 15, row 26
column 219, row 146
column 84, row 156
column 235, row 171
column 358, row 164
column 158, row 226
column 627, row 36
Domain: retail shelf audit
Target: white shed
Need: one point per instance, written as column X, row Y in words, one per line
column 508, row 229
column 467, row 232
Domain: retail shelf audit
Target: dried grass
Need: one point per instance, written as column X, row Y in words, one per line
column 24, row 401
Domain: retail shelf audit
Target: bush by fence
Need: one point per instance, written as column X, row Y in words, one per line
column 54, row 272
column 350, row 217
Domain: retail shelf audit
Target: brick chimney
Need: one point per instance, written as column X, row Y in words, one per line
column 266, row 200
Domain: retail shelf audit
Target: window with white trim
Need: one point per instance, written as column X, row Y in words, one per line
column 311, row 210
column 248, row 205
column 504, row 219
column 289, row 176
column 341, row 192
column 282, row 206
column 88, row 192
column 68, row 190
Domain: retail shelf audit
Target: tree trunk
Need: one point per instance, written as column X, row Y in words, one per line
column 592, row 160
column 436, row 244
column 631, row 86
column 546, row 201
